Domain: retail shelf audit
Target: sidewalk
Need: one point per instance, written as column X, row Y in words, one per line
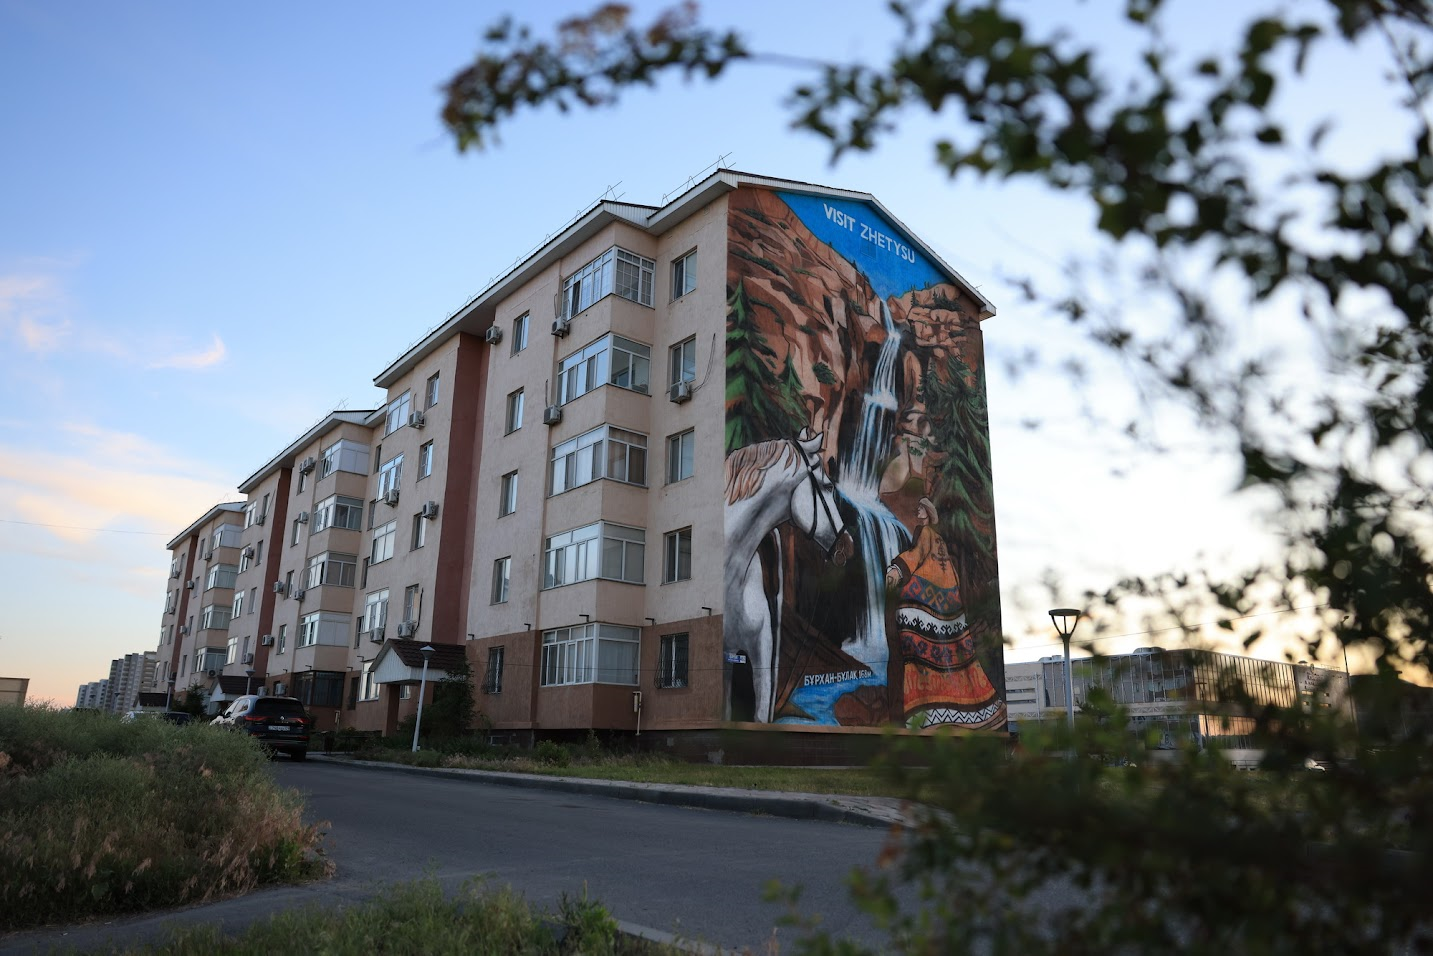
column 881, row 812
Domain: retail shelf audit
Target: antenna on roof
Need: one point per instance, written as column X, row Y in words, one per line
column 696, row 177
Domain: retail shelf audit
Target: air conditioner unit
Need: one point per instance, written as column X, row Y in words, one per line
column 174, row 573
column 390, row 496
column 680, row 392
column 376, row 635
column 267, row 640
column 183, row 630
column 430, row 510
column 494, row 335
column 206, row 555
column 249, row 552
column 416, row 420
column 261, row 519
column 560, row 327
column 213, row 672
column 280, row 688
column 279, row 587
column 298, row 594
column 407, row 628
column 307, row 465
column 552, row 414
column 188, row 585
column 303, row 517
column 248, row 658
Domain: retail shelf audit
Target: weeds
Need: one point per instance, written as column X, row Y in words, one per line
column 99, row 816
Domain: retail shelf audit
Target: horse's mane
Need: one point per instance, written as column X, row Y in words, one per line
column 746, row 467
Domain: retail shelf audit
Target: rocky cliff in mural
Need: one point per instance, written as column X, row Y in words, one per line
column 841, row 333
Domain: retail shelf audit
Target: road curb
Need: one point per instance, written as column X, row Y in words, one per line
column 823, row 807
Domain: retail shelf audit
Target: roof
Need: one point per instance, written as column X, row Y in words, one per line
column 209, row 515
column 285, row 458
column 477, row 315
column 445, row 656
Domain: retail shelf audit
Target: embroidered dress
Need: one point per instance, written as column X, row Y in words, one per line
column 943, row 680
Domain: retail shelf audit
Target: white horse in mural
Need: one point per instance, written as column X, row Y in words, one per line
column 769, row 484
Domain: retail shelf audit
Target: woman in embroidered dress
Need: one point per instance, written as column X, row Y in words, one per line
column 943, row 682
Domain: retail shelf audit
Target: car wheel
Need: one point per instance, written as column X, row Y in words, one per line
column 298, row 754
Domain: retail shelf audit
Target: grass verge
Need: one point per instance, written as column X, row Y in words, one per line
column 100, row 816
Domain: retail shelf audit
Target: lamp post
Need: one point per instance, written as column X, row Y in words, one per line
column 427, row 650
column 1065, row 619
column 169, row 697
column 249, row 680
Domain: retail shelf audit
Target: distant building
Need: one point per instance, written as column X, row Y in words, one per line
column 13, row 689
column 1173, row 695
column 92, row 696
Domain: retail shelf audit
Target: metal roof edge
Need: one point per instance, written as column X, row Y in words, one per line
column 208, row 516
column 286, row 457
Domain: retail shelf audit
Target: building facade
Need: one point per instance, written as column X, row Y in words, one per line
column 719, row 461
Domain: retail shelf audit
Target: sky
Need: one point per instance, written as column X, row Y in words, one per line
column 219, row 222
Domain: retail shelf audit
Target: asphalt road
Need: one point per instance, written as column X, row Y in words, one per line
column 696, row 873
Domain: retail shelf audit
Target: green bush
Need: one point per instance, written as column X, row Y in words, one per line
column 102, row 816
column 552, row 753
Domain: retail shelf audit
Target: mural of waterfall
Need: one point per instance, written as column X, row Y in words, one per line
column 839, row 325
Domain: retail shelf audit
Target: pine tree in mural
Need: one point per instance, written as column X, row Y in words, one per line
column 959, row 446
column 759, row 404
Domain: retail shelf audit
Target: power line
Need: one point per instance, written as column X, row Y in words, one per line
column 71, row 527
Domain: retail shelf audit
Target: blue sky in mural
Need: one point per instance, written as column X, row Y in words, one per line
column 868, row 241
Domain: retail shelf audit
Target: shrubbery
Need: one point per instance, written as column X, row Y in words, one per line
column 103, row 816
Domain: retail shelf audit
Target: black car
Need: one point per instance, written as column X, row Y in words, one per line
column 280, row 723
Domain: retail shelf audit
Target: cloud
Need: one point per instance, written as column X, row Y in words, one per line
column 32, row 307
column 195, row 360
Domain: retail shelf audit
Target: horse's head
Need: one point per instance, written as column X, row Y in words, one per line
column 813, row 502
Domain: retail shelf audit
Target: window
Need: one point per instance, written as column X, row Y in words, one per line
column 672, row 661
column 331, row 568
column 398, row 411
column 677, row 556
column 253, row 600
column 412, row 602
column 420, row 532
column 519, row 332
column 251, row 514
column 590, row 653
column 383, row 538
column 368, row 686
column 684, row 274
column 502, row 576
column 425, row 459
column 337, row 511
column 344, row 455
column 514, row 420
column 215, row 616
column 390, row 473
column 324, row 627
column 616, row 270
column 375, row 611
column 611, row 360
column 597, row 550
column 507, row 495
column 679, row 455
column 246, row 559
column 232, row 655
column 430, row 392
column 221, row 576
column 604, row 452
column 302, row 482
column 281, row 643
column 493, row 676
column 683, row 362
column 298, row 531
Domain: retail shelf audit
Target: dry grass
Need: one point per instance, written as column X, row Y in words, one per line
column 98, row 816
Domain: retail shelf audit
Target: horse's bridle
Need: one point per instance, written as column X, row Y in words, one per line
column 818, row 499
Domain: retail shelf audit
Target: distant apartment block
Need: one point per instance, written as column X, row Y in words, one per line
column 13, row 690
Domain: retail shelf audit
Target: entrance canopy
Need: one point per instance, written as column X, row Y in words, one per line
column 401, row 662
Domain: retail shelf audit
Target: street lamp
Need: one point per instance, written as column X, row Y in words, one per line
column 427, row 650
column 1065, row 619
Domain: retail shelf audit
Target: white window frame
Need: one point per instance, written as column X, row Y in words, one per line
column 514, row 412
column 610, row 360
column 507, row 494
column 326, row 514
column 221, row 576
column 521, row 327
column 431, row 390
column 398, row 411
column 674, row 661
column 591, row 654
column 677, row 556
column 420, row 532
column 682, row 361
column 502, row 580
column 368, row 687
column 615, row 271
column 331, row 568
column 604, row 550
column 375, row 610
column 390, row 475
column 681, row 456
column 385, row 539
column 684, row 274
column 604, row 452
column 425, row 460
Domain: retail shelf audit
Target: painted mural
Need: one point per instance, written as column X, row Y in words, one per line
column 861, row 583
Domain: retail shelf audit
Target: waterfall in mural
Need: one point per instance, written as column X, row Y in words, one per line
column 881, row 535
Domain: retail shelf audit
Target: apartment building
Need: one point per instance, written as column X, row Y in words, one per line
column 719, row 461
